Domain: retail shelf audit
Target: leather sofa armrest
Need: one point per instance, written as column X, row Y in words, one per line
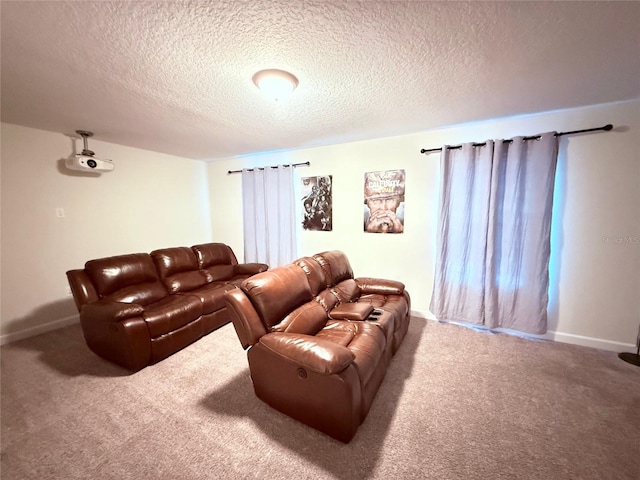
column 110, row 311
column 380, row 286
column 250, row 268
column 315, row 354
column 83, row 290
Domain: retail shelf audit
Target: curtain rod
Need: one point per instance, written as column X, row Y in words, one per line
column 534, row 137
column 273, row 166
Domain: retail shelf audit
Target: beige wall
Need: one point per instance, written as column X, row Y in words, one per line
column 595, row 265
column 153, row 200
column 149, row 201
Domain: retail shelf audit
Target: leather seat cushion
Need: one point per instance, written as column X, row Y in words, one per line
column 338, row 331
column 395, row 304
column 375, row 300
column 366, row 340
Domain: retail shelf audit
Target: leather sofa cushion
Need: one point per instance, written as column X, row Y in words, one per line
column 307, row 319
column 219, row 273
column 209, row 254
column 211, row 296
column 365, row 340
column 178, row 268
column 128, row 278
column 336, row 266
column 217, row 260
column 328, row 299
column 277, row 292
column 338, row 331
column 315, row 274
column 347, row 290
column 171, row 313
column 142, row 293
column 398, row 304
column 393, row 303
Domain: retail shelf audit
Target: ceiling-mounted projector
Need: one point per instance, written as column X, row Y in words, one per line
column 86, row 161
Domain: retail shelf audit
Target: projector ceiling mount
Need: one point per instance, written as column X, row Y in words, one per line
column 87, row 161
column 85, row 134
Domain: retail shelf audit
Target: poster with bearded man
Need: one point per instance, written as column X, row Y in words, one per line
column 384, row 201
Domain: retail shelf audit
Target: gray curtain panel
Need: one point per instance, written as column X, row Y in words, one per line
column 463, row 218
column 492, row 266
column 269, row 216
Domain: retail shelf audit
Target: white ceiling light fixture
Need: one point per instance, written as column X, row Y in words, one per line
column 275, row 84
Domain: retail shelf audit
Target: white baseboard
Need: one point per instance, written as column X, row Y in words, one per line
column 422, row 314
column 590, row 342
column 570, row 338
column 37, row 330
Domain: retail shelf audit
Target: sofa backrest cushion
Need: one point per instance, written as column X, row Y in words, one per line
column 328, row 298
column 219, row 273
column 128, row 278
column 217, row 260
column 336, row 266
column 178, row 269
column 308, row 319
column 315, row 274
column 347, row 290
column 277, row 292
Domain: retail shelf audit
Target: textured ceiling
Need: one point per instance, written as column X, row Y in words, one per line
column 175, row 77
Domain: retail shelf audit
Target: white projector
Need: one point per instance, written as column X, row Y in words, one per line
column 88, row 163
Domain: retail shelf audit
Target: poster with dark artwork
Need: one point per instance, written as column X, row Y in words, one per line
column 384, row 201
column 317, row 203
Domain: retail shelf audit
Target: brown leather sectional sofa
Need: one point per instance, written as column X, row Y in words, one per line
column 319, row 341
column 138, row 309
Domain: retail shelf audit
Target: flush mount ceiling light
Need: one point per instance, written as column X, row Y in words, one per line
column 275, row 84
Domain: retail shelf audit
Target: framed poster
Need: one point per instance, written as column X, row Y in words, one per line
column 317, row 203
column 384, row 201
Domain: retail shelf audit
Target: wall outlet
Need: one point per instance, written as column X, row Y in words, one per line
column 59, row 212
column 68, row 291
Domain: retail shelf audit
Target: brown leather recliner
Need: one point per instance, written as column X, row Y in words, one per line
column 319, row 341
column 138, row 309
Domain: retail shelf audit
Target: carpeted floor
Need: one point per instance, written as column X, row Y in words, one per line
column 455, row 404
